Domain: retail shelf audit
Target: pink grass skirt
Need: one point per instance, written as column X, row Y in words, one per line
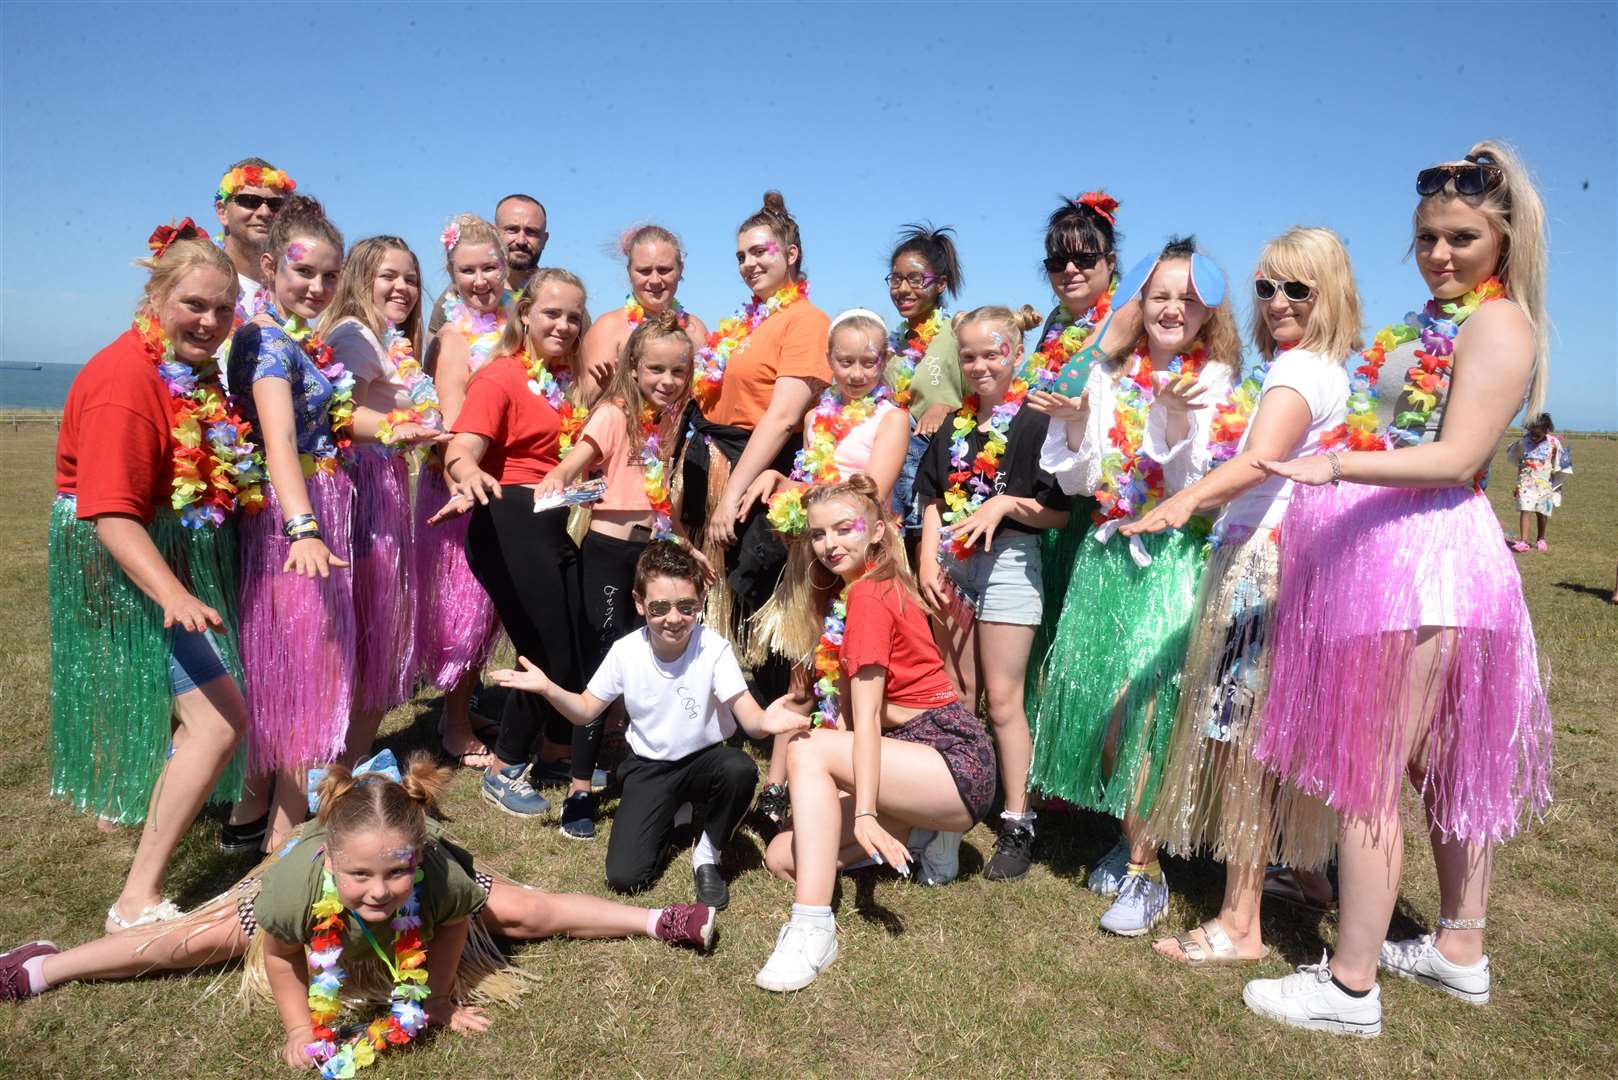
column 384, row 608
column 456, row 627
column 1363, row 571
column 297, row 641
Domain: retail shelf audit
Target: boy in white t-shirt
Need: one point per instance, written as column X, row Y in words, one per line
column 684, row 693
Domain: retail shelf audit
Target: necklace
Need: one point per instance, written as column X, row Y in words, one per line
column 339, row 1052
column 636, row 313
column 653, row 474
column 909, row 346
column 1232, row 416
column 1065, row 339
column 554, row 389
column 216, row 468
column 423, row 407
column 977, row 473
column 833, row 419
column 481, row 329
column 1130, row 483
column 340, row 409
column 733, row 332
column 829, row 663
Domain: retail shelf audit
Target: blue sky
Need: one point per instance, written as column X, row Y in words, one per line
column 1230, row 121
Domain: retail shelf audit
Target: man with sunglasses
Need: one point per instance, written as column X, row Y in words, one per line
column 521, row 222
column 249, row 194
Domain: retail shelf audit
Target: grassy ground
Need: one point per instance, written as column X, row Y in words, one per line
column 974, row 978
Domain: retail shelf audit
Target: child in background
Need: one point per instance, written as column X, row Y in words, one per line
column 684, row 693
column 1543, row 464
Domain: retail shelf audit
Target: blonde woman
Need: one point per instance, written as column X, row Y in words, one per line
column 654, row 259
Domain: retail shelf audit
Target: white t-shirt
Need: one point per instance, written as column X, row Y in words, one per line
column 675, row 709
column 245, row 302
column 1323, row 384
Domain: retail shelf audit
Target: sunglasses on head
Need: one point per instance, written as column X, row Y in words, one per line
column 1296, row 291
column 1472, row 178
column 1081, row 260
column 686, row 606
column 253, row 202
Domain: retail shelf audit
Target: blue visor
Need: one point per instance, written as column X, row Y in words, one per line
column 1207, row 280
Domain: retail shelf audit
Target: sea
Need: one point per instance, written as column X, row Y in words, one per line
column 35, row 386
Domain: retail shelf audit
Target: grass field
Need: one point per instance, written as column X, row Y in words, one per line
column 974, row 979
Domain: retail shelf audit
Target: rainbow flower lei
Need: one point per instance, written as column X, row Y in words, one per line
column 829, row 662
column 732, row 333
column 406, row 1018
column 213, row 480
column 909, row 346
column 1065, row 340
column 481, row 329
column 1232, row 416
column 976, row 473
column 654, row 474
column 830, row 424
column 1130, row 483
column 636, row 313
column 423, row 408
column 340, row 410
column 253, row 176
column 554, row 387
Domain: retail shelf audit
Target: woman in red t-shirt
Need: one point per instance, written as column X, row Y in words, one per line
column 508, row 437
column 150, row 465
column 902, row 755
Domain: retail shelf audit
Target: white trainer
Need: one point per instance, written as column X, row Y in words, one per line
column 1107, row 875
column 1309, row 999
column 801, row 953
column 1420, row 960
column 1141, row 903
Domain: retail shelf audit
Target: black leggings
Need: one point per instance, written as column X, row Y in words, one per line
column 530, row 569
column 609, row 613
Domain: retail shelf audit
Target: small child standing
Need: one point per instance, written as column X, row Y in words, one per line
column 684, row 692
column 1543, row 463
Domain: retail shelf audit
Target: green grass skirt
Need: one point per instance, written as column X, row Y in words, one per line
column 111, row 707
column 1112, row 673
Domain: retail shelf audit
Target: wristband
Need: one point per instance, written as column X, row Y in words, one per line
column 1336, row 468
column 308, row 533
column 300, row 524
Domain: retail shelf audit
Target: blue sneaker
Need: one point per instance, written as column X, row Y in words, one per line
column 1107, row 875
column 578, row 816
column 508, row 788
column 1142, row 901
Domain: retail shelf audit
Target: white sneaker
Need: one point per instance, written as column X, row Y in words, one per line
column 801, row 953
column 1309, row 999
column 1107, row 875
column 935, row 857
column 1142, row 901
column 1419, row 959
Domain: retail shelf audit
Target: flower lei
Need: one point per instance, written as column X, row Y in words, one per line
column 654, row 474
column 909, row 346
column 423, row 407
column 406, row 1018
column 830, row 424
column 1131, row 484
column 636, row 314
column 732, row 333
column 977, row 473
column 1065, row 340
column 829, row 662
column 1231, row 416
column 553, row 388
column 481, row 329
column 253, row 176
column 340, row 411
column 213, row 480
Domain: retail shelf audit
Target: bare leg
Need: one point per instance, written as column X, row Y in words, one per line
column 255, row 800
column 362, row 728
column 1003, row 657
column 455, row 725
column 212, row 719
column 1544, row 524
column 1464, row 873
column 528, row 914
column 157, row 947
column 1525, row 525
column 289, row 806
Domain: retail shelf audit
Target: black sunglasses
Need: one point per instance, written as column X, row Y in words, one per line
column 1470, row 179
column 1082, row 260
column 253, row 202
column 658, row 609
column 1296, row 291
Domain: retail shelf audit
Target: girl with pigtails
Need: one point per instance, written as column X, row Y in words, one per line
column 369, row 908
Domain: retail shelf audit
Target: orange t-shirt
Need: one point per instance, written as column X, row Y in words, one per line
column 789, row 344
column 115, row 450
column 626, row 479
column 524, row 432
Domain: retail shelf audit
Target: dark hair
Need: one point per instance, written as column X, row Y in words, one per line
column 1542, row 422
column 773, row 216
column 248, row 163
column 520, row 197
column 301, row 215
column 936, row 247
column 668, row 559
column 1076, row 226
column 1180, row 247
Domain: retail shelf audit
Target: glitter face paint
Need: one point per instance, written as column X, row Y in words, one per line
column 295, row 252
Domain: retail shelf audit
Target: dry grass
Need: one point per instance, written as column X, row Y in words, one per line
column 975, row 978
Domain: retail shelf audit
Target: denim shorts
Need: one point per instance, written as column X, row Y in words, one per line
column 1003, row 585
column 193, row 660
column 905, row 504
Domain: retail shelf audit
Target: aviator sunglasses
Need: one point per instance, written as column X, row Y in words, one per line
column 659, row 609
column 1470, row 179
column 1296, row 291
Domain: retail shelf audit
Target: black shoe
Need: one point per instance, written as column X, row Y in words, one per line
column 774, row 804
column 245, row 837
column 711, row 887
column 551, row 773
column 578, row 815
column 1013, row 853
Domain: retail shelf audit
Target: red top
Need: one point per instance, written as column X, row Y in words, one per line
column 888, row 627
column 115, row 449
column 523, row 430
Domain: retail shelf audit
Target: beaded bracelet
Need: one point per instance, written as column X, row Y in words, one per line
column 1336, row 468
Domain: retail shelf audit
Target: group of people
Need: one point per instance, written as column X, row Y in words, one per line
column 942, row 577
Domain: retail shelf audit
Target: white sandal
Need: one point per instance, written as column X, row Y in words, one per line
column 162, row 911
column 1219, row 952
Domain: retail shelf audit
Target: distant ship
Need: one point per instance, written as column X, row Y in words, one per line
column 12, row 365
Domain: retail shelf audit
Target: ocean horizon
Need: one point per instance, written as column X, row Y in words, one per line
column 35, row 385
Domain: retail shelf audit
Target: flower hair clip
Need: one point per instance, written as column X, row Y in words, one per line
column 1100, row 202
column 163, row 236
column 451, row 236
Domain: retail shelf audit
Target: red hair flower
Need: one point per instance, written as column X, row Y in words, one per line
column 163, row 236
column 1100, row 202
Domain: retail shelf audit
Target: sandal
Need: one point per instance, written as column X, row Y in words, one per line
column 1282, row 884
column 162, row 911
column 1518, row 546
column 482, row 757
column 1218, row 952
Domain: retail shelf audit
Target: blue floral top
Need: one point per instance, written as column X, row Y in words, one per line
column 258, row 353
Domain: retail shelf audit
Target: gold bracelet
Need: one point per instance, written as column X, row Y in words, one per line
column 864, row 813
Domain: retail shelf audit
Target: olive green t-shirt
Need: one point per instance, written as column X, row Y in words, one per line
column 291, row 887
column 938, row 374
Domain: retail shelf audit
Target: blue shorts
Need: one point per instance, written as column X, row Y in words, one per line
column 1003, row 585
column 194, row 660
column 905, row 504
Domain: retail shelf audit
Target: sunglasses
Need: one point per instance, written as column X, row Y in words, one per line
column 1470, row 179
column 1081, row 260
column 659, row 609
column 1296, row 291
column 253, row 202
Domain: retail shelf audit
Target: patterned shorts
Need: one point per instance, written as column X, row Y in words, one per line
column 968, row 752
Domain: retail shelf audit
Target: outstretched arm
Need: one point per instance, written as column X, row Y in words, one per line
column 581, row 708
column 289, row 984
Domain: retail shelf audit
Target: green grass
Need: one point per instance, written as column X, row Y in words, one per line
column 974, row 978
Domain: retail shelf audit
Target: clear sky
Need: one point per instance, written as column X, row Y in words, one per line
column 1231, row 121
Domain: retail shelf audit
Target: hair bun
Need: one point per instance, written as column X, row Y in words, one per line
column 1027, row 317
column 299, row 205
column 775, row 202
